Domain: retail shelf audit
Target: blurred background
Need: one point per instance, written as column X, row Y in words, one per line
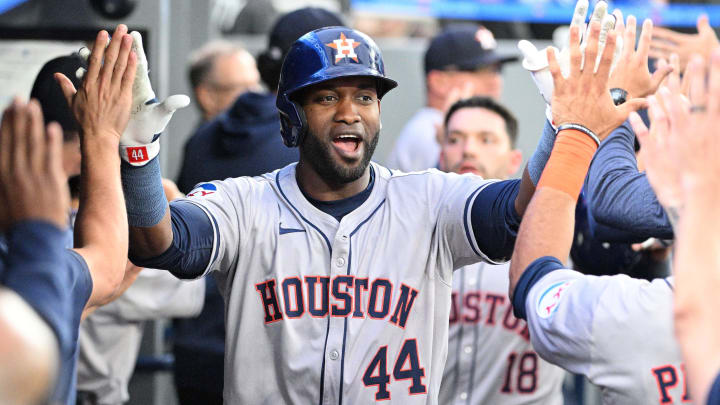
column 34, row 31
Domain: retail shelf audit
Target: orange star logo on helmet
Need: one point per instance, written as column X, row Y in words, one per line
column 344, row 47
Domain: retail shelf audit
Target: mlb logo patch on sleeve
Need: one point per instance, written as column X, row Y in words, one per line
column 202, row 190
column 550, row 299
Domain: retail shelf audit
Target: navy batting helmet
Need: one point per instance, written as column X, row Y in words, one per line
column 319, row 56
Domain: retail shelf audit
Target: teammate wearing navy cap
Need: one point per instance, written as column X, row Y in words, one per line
column 89, row 274
column 460, row 57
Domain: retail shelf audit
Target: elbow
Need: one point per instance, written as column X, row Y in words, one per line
column 600, row 212
column 107, row 281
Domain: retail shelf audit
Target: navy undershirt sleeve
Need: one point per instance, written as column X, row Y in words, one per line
column 495, row 221
column 620, row 197
column 32, row 267
column 193, row 236
column 532, row 274
column 81, row 287
column 714, row 395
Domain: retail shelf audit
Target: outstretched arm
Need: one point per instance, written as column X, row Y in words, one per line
column 583, row 108
column 36, row 291
column 620, row 197
column 680, row 151
column 102, row 108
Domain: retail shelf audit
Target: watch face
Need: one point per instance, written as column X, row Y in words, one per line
column 618, row 95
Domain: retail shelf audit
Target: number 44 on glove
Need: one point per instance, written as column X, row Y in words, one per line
column 140, row 142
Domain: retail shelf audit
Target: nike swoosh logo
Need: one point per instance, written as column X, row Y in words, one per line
column 283, row 231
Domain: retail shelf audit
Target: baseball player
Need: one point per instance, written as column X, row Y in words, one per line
column 94, row 269
column 336, row 271
column 680, row 153
column 35, row 291
column 615, row 330
column 490, row 358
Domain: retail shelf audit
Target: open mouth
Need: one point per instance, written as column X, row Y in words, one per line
column 347, row 145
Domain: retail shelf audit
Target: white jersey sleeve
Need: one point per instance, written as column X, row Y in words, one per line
column 228, row 205
column 455, row 203
column 615, row 330
column 159, row 294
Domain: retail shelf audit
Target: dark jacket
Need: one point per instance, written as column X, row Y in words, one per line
column 242, row 141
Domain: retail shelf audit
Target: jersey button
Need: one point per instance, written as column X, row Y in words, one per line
column 340, row 262
column 334, row 355
column 463, row 396
column 468, row 349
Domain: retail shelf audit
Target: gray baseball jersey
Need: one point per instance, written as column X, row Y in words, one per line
column 110, row 337
column 352, row 312
column 490, row 357
column 615, row 330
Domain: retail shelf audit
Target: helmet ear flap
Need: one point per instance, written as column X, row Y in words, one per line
column 293, row 134
column 303, row 128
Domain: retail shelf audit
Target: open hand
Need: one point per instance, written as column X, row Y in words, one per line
column 632, row 74
column 102, row 105
column 33, row 185
column 666, row 42
column 680, row 148
column 583, row 97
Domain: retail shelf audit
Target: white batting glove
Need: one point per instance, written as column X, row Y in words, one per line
column 140, row 142
column 536, row 61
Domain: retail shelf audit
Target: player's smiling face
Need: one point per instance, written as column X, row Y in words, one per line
column 343, row 117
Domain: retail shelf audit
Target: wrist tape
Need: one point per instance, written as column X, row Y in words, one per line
column 144, row 195
column 569, row 162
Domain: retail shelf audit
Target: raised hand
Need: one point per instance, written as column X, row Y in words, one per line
column 582, row 97
column 632, row 74
column 536, row 60
column 680, row 148
column 666, row 42
column 102, row 105
column 33, row 185
column 140, row 143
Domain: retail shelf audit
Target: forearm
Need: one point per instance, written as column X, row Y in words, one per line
column 192, row 240
column 147, row 208
column 546, row 230
column 527, row 189
column 534, row 168
column 697, row 281
column 547, row 226
column 101, row 224
column 130, row 275
column 146, row 242
column 619, row 196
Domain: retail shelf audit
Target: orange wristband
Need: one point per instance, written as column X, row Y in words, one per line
column 569, row 162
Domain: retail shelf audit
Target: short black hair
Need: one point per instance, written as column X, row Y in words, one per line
column 50, row 96
column 511, row 124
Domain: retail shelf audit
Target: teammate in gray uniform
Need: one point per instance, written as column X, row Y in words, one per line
column 615, row 330
column 490, row 357
column 336, row 271
column 110, row 338
column 680, row 151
